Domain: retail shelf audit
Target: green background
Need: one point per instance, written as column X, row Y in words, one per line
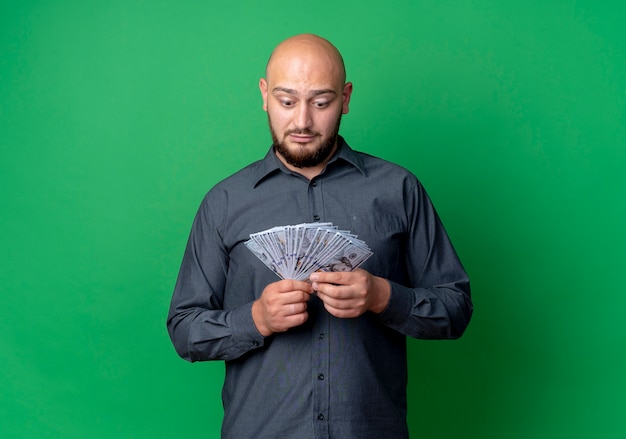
column 116, row 117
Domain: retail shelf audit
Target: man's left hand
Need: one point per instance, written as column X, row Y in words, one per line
column 348, row 294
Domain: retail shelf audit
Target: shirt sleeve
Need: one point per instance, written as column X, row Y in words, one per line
column 436, row 302
column 198, row 325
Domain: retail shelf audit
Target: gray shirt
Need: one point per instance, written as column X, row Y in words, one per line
column 330, row 377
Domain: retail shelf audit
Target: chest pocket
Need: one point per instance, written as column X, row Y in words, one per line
column 386, row 235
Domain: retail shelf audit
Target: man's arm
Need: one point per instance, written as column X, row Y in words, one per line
column 434, row 303
column 199, row 327
column 435, row 313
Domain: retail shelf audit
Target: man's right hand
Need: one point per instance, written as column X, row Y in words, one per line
column 282, row 305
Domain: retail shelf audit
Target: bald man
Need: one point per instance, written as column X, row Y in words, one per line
column 325, row 358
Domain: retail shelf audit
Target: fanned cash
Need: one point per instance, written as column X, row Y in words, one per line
column 294, row 252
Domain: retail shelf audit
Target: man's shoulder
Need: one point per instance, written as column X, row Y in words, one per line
column 244, row 178
column 376, row 165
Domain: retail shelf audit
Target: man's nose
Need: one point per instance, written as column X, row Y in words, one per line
column 303, row 117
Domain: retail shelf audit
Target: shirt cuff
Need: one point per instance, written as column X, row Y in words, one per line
column 245, row 332
column 399, row 307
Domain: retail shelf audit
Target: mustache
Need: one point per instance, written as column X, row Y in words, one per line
column 305, row 132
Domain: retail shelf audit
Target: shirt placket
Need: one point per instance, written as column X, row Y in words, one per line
column 315, row 200
column 320, row 336
column 321, row 374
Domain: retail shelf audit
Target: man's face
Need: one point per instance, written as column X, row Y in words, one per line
column 304, row 99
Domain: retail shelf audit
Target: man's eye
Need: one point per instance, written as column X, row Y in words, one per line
column 286, row 103
column 320, row 104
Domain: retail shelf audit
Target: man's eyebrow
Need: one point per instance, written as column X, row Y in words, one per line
column 311, row 93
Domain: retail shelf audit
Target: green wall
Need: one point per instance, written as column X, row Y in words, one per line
column 116, row 117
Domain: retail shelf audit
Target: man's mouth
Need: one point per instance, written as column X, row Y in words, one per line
column 302, row 138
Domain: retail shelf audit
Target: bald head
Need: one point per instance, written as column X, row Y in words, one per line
column 306, row 53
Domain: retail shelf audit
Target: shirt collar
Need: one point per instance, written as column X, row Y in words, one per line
column 271, row 164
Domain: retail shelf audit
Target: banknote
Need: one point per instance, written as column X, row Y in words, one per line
column 296, row 251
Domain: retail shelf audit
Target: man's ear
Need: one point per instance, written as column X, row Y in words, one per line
column 263, row 88
column 347, row 93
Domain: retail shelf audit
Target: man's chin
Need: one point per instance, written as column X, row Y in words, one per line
column 300, row 149
column 299, row 156
column 305, row 154
column 300, row 160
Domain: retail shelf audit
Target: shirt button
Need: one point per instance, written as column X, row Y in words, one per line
column 320, row 416
column 321, row 336
column 314, row 183
column 316, row 217
column 320, row 377
column 255, row 343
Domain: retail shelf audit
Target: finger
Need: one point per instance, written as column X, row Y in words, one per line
column 295, row 320
column 334, row 302
column 295, row 297
column 339, row 292
column 294, row 285
column 343, row 313
column 336, row 277
column 279, row 297
column 296, row 308
column 325, row 277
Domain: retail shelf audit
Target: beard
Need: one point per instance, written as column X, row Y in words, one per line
column 302, row 158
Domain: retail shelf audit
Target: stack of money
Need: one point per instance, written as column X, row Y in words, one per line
column 294, row 252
